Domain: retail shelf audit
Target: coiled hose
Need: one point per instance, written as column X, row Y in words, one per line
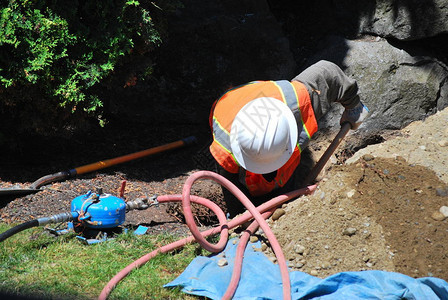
column 258, row 213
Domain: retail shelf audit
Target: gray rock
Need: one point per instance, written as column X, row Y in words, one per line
column 444, row 211
column 368, row 157
column 349, row 231
column 298, row 265
column 222, row 262
column 253, row 239
column 438, row 216
column 299, row 249
column 397, row 87
column 278, row 213
column 402, row 20
column 441, row 192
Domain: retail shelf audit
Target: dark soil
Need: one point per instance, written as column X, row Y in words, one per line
column 403, row 198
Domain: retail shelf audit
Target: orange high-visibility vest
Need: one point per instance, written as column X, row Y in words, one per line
column 294, row 95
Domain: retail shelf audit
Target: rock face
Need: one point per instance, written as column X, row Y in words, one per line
column 397, row 87
column 213, row 46
column 402, row 20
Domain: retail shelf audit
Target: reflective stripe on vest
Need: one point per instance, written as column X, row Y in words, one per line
column 292, row 101
column 221, row 135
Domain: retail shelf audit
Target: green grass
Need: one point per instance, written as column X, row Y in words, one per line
column 34, row 263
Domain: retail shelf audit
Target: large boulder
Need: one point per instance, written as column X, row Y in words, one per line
column 397, row 86
column 402, row 20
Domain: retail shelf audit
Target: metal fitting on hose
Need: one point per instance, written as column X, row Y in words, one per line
column 142, row 203
column 59, row 218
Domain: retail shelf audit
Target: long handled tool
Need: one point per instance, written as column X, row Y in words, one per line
column 35, row 186
column 327, row 154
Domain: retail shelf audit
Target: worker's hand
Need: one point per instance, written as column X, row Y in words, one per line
column 355, row 116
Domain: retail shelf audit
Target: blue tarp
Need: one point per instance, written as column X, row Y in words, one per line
column 261, row 279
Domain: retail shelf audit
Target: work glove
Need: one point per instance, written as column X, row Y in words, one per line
column 355, row 116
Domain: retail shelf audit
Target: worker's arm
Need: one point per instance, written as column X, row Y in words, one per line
column 327, row 83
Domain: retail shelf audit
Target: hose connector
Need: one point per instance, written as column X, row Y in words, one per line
column 59, row 218
column 142, row 203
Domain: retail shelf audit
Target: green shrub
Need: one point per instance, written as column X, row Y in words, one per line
column 64, row 48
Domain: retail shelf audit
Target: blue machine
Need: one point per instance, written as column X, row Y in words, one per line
column 98, row 216
column 98, row 210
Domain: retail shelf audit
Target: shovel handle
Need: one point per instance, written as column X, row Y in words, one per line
column 111, row 162
column 125, row 158
column 49, row 178
column 327, row 154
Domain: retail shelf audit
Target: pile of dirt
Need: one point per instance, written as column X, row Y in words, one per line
column 377, row 214
column 379, row 211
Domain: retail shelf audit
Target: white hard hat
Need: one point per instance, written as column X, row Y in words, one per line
column 263, row 135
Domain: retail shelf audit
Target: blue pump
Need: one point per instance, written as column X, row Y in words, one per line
column 98, row 210
column 93, row 214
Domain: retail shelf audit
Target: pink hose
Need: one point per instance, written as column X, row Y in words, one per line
column 250, row 207
column 252, row 212
column 236, row 274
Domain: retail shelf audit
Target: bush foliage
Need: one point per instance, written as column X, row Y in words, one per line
column 64, row 48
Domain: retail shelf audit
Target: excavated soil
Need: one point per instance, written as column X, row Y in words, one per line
column 375, row 214
column 379, row 210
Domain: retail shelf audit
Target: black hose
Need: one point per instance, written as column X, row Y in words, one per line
column 18, row 228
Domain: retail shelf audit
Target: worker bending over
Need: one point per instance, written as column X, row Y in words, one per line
column 261, row 128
